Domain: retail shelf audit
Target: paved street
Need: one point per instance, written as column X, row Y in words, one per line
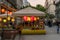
column 51, row 35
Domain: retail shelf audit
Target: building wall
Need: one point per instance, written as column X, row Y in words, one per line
column 56, row 1
column 57, row 9
column 19, row 3
column 50, row 6
column 25, row 3
column 6, row 5
column 13, row 3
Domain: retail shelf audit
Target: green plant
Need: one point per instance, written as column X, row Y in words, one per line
column 40, row 7
column 50, row 16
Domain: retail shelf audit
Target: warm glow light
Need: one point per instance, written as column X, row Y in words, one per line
column 35, row 19
column 38, row 18
column 13, row 20
column 4, row 20
column 28, row 19
column 9, row 12
column 32, row 18
column 2, row 10
column 0, row 19
column 8, row 18
column 25, row 18
column 41, row 22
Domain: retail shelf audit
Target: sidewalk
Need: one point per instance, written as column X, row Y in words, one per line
column 51, row 35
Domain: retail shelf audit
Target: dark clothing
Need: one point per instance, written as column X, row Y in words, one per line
column 20, row 32
column 57, row 23
column 57, row 29
column 49, row 23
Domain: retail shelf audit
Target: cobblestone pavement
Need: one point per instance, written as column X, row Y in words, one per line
column 51, row 35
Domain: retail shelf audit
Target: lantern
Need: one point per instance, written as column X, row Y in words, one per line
column 0, row 19
column 25, row 18
column 9, row 12
column 2, row 10
column 35, row 19
column 12, row 19
column 4, row 20
column 8, row 18
column 38, row 18
column 28, row 19
column 32, row 18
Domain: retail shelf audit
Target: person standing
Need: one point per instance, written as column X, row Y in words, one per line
column 57, row 23
column 50, row 23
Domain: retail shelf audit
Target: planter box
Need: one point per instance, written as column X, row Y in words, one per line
column 27, row 32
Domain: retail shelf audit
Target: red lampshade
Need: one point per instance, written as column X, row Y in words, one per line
column 9, row 12
column 25, row 18
column 32, row 18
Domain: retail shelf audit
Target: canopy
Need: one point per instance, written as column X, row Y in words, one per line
column 4, row 15
column 29, row 12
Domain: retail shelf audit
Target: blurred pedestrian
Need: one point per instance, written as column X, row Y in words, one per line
column 57, row 23
column 50, row 23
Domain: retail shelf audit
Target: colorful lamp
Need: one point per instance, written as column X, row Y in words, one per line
column 28, row 19
column 38, row 18
column 2, row 10
column 35, row 18
column 25, row 18
column 4, row 20
column 32, row 18
column 9, row 12
column 12, row 19
column 9, row 18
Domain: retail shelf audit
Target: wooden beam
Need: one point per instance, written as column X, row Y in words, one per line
column 8, row 8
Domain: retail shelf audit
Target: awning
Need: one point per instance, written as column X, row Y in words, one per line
column 29, row 12
column 5, row 15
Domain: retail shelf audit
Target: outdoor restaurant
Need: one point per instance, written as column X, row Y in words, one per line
column 30, row 20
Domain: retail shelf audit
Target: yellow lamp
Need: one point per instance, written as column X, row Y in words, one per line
column 38, row 18
column 8, row 18
column 12, row 19
column 28, row 19
column 4, row 20
column 35, row 18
